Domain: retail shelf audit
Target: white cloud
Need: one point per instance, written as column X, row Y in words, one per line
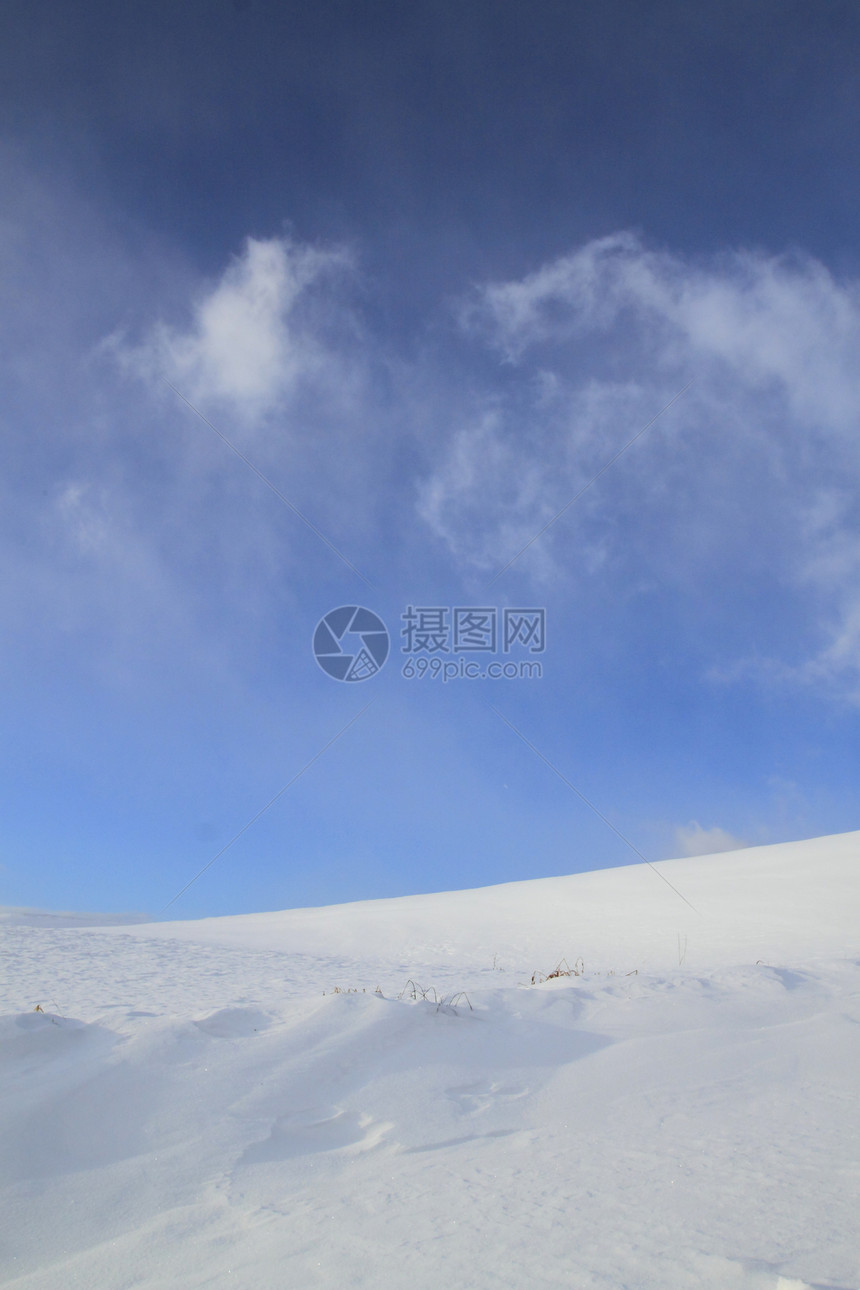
column 274, row 354
column 508, row 471
column 832, row 569
column 84, row 520
column 754, row 318
column 754, row 469
column 829, row 569
column 254, row 336
column 484, row 483
column 692, row 840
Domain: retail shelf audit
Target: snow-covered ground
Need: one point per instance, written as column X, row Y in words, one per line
column 201, row 1104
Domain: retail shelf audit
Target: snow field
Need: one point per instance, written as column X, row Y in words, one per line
column 192, row 1110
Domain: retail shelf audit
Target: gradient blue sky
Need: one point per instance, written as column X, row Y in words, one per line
column 429, row 267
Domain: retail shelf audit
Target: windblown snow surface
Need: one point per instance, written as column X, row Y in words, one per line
column 202, row 1104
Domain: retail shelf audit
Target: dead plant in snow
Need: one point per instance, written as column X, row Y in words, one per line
column 444, row 1003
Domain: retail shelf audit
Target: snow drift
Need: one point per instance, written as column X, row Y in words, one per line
column 389, row 1093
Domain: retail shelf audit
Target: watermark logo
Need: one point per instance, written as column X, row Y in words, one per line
column 438, row 638
column 351, row 643
column 438, row 629
column 441, row 642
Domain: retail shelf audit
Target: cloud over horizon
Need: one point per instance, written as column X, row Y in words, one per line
column 693, row 840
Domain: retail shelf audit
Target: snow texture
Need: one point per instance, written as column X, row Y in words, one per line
column 230, row 1102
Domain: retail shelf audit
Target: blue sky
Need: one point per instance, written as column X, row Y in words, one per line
column 429, row 269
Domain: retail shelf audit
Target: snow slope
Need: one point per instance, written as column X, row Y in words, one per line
column 197, row 1107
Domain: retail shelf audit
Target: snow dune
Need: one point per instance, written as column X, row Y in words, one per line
column 230, row 1102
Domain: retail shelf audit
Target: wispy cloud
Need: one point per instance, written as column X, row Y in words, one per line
column 127, row 528
column 485, row 484
column 253, row 337
column 745, row 488
column 751, row 478
column 692, row 840
column 779, row 322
